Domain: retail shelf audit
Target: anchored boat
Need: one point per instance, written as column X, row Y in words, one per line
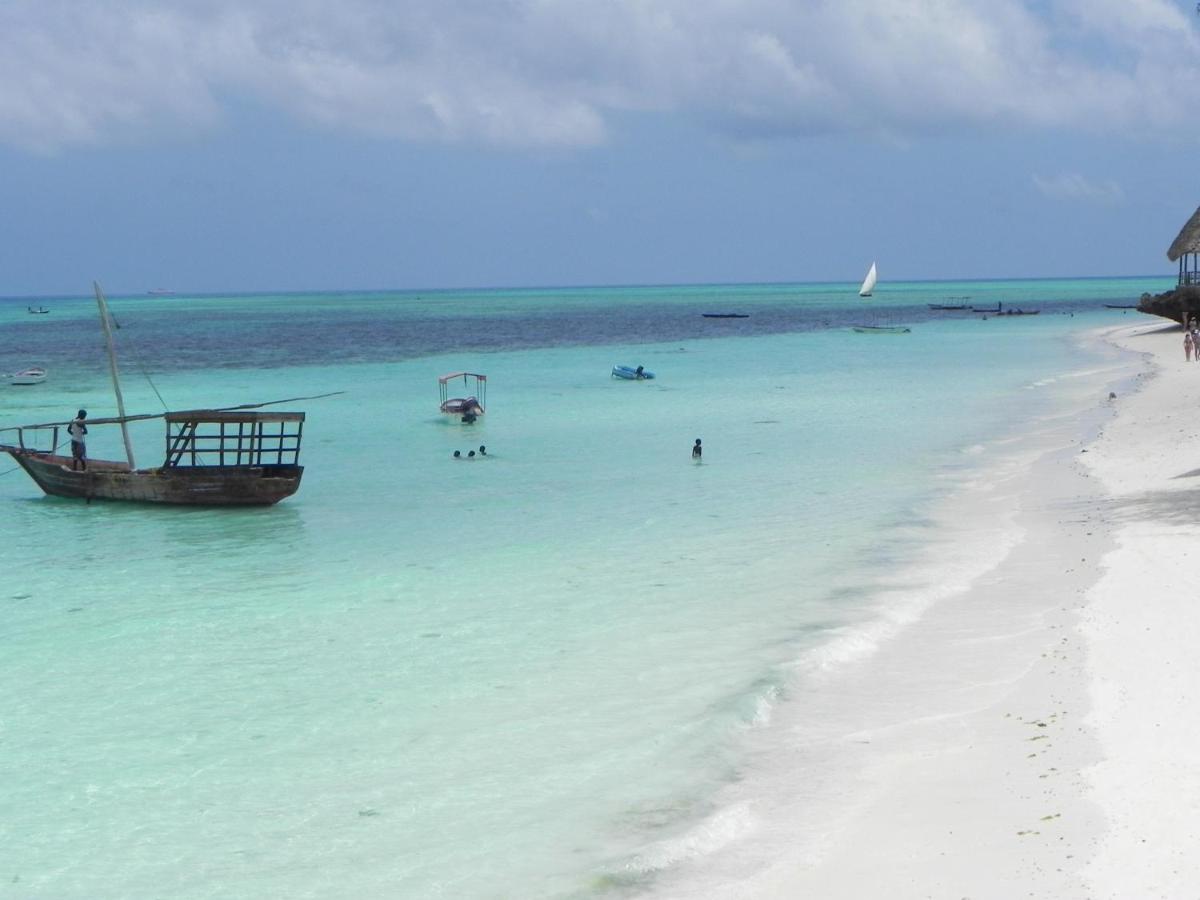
column 234, row 456
column 32, row 375
column 470, row 406
column 631, row 373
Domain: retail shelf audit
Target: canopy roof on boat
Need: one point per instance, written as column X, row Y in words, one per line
column 463, row 375
column 224, row 414
column 216, row 415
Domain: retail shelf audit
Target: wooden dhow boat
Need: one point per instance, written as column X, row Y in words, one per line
column 236, row 456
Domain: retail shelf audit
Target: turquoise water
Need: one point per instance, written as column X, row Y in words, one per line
column 507, row 677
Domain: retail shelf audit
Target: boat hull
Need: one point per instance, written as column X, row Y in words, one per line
column 629, row 373
column 882, row 329
column 182, row 486
column 35, row 375
column 459, row 406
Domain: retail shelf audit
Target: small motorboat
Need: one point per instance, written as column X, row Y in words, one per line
column 37, row 310
column 725, row 315
column 882, row 329
column 467, row 408
column 631, row 373
column 32, row 375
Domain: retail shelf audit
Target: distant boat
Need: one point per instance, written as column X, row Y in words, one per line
column 32, row 375
column 37, row 310
column 630, row 373
column 999, row 310
column 725, row 315
column 1120, row 306
column 160, row 292
column 945, row 306
column 868, row 284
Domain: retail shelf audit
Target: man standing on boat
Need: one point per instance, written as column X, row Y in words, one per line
column 78, row 431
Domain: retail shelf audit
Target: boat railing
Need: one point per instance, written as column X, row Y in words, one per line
column 37, row 432
column 233, row 439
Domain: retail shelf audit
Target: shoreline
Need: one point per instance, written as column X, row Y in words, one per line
column 996, row 771
column 1142, row 627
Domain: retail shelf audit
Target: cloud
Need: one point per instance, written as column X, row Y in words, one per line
column 547, row 73
column 1076, row 187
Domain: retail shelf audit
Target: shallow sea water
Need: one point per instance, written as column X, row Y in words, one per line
column 510, row 677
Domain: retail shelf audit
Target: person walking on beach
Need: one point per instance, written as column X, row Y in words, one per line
column 78, row 431
column 1187, row 345
column 697, row 450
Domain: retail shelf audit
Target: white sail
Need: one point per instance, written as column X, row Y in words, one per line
column 868, row 284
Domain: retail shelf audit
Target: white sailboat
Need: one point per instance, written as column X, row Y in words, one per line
column 868, row 284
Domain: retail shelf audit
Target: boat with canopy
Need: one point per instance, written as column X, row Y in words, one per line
column 474, row 389
column 232, row 456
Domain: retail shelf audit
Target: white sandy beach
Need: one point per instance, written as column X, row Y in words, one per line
column 1033, row 737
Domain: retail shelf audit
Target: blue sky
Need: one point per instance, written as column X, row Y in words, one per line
column 294, row 145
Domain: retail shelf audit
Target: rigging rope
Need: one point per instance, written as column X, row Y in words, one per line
column 127, row 346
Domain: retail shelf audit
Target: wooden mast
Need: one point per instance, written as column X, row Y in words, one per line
column 112, row 368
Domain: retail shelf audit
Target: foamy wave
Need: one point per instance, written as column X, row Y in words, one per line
column 946, row 570
column 764, row 705
column 1107, row 371
column 714, row 833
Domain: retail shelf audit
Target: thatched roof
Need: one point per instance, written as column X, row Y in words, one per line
column 1188, row 240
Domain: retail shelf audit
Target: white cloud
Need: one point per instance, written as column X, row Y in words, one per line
column 1073, row 186
column 553, row 72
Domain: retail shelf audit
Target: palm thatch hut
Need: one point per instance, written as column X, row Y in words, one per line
column 1186, row 251
column 1182, row 302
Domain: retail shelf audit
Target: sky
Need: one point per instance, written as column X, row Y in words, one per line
column 276, row 145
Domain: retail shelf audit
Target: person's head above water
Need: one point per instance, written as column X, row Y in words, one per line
column 458, row 454
column 697, row 442
column 471, row 454
column 82, row 414
column 482, row 450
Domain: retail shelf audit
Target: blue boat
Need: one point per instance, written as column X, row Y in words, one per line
column 631, row 373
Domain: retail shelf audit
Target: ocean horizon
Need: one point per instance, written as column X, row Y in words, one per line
column 541, row 674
